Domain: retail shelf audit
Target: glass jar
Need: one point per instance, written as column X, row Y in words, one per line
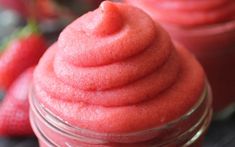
column 214, row 47
column 186, row 131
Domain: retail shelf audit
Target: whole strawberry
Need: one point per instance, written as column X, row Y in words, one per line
column 14, row 109
column 20, row 53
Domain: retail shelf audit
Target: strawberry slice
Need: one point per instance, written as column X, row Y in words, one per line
column 23, row 51
column 14, row 109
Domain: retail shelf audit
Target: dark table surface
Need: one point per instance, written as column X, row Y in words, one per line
column 220, row 134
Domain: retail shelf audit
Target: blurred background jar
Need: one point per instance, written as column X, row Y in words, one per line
column 207, row 28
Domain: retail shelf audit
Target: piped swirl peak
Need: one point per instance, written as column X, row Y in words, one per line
column 110, row 20
column 109, row 34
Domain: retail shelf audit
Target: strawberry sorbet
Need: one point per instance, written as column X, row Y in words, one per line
column 114, row 71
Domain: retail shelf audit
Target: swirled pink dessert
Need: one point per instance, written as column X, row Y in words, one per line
column 114, row 70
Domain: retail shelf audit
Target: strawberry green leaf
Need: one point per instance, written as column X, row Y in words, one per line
column 29, row 29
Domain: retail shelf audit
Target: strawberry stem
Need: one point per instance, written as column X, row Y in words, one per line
column 30, row 28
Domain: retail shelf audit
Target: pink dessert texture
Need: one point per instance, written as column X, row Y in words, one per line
column 207, row 28
column 115, row 71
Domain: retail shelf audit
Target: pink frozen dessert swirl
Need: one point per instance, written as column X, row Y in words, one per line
column 188, row 12
column 114, row 70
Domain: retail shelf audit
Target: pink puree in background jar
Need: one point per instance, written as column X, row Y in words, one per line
column 114, row 78
column 207, row 28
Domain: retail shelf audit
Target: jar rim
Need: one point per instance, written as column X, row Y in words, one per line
column 51, row 118
column 191, row 141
